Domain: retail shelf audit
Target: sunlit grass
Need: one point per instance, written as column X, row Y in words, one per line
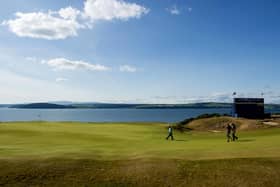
column 127, row 141
column 134, row 154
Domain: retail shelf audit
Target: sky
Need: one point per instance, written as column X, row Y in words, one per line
column 139, row 51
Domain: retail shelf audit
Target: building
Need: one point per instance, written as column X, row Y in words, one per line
column 249, row 107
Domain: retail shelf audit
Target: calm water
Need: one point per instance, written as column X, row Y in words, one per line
column 104, row 115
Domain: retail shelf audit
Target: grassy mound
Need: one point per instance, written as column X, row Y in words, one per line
column 219, row 123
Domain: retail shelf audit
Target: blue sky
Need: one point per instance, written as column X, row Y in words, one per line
column 144, row 51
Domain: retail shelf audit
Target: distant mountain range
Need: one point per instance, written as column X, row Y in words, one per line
column 72, row 105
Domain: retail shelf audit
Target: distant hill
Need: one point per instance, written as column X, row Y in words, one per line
column 118, row 105
column 41, row 106
column 152, row 106
column 104, row 105
column 192, row 105
column 275, row 108
column 4, row 106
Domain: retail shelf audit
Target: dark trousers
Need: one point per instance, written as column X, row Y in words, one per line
column 234, row 137
column 170, row 135
column 229, row 137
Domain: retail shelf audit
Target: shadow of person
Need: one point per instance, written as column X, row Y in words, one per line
column 246, row 140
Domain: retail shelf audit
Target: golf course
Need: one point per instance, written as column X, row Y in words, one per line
column 136, row 154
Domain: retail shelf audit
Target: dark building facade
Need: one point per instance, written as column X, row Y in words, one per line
column 249, row 107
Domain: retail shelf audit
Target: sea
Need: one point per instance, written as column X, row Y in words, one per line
column 106, row 115
column 109, row 115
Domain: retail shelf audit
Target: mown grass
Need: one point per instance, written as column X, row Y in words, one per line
column 129, row 141
column 80, row 154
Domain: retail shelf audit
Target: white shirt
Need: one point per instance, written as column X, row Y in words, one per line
column 169, row 129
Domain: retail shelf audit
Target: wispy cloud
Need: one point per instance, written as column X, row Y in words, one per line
column 22, row 88
column 61, row 79
column 31, row 59
column 65, row 64
column 174, row 10
column 227, row 97
column 127, row 68
column 66, row 22
column 215, row 97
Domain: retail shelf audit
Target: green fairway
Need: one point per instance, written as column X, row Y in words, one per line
column 129, row 141
column 125, row 154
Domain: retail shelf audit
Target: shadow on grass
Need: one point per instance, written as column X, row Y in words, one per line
column 246, row 140
column 180, row 140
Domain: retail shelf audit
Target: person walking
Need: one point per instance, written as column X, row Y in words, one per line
column 233, row 127
column 170, row 133
column 229, row 128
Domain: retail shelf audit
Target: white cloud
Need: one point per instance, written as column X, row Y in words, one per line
column 61, row 79
column 190, row 9
column 64, row 23
column 69, row 13
column 113, row 9
column 50, row 25
column 174, row 10
column 65, row 64
column 31, row 59
column 127, row 68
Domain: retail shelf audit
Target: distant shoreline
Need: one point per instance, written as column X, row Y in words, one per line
column 207, row 105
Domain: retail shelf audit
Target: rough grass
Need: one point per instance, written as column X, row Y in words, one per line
column 141, row 172
column 90, row 154
column 220, row 123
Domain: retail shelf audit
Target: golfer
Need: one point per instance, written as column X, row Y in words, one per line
column 229, row 128
column 170, row 133
column 233, row 129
